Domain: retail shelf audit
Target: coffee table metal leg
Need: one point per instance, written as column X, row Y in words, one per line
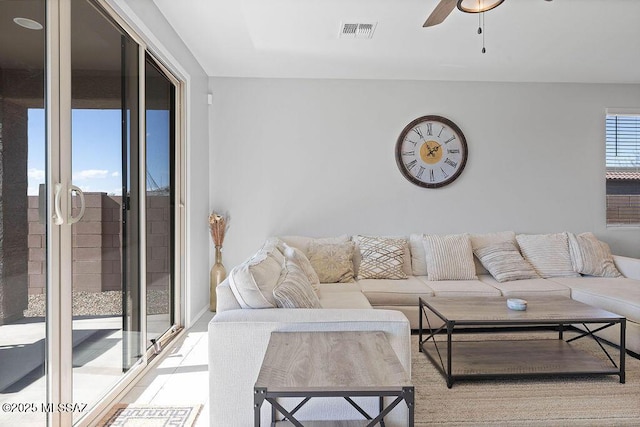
column 449, row 349
column 258, row 398
column 623, row 349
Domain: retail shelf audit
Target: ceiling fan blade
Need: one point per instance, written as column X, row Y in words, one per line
column 442, row 10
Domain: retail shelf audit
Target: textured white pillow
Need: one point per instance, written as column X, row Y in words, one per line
column 294, row 290
column 547, row 253
column 253, row 281
column 591, row 256
column 381, row 257
column 504, row 262
column 449, row 257
column 486, row 239
column 418, row 256
column 333, row 262
column 296, row 256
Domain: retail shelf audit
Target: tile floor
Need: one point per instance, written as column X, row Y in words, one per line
column 181, row 377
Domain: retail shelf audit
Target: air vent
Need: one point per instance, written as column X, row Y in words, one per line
column 363, row 30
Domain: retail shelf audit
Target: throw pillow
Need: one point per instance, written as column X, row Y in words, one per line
column 547, row 253
column 591, row 256
column 253, row 281
column 294, row 290
column 381, row 258
column 449, row 257
column 504, row 262
column 333, row 262
column 296, row 256
column 418, row 256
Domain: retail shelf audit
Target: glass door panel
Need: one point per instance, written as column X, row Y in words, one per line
column 160, row 196
column 104, row 137
column 23, row 239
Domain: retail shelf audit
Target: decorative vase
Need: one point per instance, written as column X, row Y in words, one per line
column 216, row 276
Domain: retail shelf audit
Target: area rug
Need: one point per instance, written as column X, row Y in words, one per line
column 561, row 401
column 123, row 415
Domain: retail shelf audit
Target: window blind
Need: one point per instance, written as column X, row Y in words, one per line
column 623, row 169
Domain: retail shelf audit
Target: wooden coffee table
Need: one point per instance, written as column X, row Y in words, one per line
column 331, row 364
column 515, row 358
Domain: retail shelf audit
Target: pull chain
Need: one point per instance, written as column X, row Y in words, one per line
column 481, row 29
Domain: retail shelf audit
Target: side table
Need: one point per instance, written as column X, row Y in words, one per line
column 331, row 364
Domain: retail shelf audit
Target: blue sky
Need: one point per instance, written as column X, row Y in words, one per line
column 97, row 160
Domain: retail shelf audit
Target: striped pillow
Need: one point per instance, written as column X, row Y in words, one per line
column 592, row 257
column 449, row 257
column 295, row 291
column 382, row 258
column 298, row 257
column 548, row 254
column 504, row 262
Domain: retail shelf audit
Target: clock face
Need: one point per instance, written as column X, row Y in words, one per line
column 431, row 151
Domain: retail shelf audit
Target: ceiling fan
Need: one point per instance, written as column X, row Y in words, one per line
column 445, row 7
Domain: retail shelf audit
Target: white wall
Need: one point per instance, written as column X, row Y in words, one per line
column 316, row 157
column 149, row 22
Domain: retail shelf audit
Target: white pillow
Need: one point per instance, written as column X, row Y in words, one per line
column 486, row 239
column 449, row 257
column 253, row 281
column 504, row 262
column 418, row 256
column 294, row 290
column 298, row 257
column 591, row 256
column 547, row 253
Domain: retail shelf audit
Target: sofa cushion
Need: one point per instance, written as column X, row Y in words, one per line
column 590, row 256
column 298, row 257
column 333, row 262
column 343, row 299
column 504, row 262
column 617, row 295
column 294, row 290
column 395, row 292
column 381, row 257
column 486, row 239
column 253, row 281
column 406, row 258
column 449, row 257
column 547, row 253
column 460, row 288
column 527, row 288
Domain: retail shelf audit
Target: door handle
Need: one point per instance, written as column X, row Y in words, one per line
column 58, row 219
column 74, row 219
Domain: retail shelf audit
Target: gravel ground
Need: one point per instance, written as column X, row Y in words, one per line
column 100, row 303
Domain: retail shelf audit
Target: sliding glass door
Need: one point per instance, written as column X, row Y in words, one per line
column 89, row 178
column 23, row 220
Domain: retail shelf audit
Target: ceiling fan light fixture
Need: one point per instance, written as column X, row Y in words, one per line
column 478, row 6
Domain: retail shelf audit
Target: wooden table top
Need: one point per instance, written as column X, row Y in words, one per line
column 494, row 310
column 331, row 361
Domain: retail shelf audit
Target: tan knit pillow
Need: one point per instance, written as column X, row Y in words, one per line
column 333, row 262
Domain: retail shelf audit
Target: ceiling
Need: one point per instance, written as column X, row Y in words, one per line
column 526, row 40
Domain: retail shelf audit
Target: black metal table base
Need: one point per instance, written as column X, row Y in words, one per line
column 261, row 395
column 442, row 357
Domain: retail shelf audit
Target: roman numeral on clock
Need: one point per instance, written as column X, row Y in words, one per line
column 418, row 131
column 444, row 173
column 409, row 153
column 429, row 129
column 411, row 164
column 450, row 139
column 432, row 176
column 451, row 163
column 453, row 151
column 420, row 172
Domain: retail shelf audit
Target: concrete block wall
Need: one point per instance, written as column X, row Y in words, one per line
column 623, row 209
column 97, row 254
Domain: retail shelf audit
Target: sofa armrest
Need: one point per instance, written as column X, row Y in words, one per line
column 629, row 267
column 238, row 341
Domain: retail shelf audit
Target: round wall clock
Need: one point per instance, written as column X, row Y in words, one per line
column 431, row 151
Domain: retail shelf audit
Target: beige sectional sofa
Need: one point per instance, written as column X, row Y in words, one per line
column 247, row 313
